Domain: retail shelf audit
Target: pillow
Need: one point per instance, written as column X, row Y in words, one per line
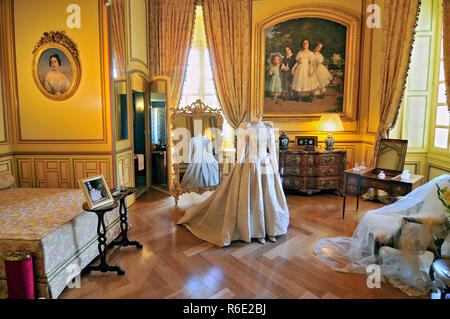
column 6, row 181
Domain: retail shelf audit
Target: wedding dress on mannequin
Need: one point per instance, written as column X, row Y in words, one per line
column 250, row 203
column 203, row 170
column 407, row 264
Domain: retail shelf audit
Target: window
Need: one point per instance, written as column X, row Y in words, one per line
column 115, row 75
column 442, row 120
column 199, row 79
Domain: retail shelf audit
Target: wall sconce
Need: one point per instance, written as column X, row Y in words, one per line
column 330, row 123
column 140, row 107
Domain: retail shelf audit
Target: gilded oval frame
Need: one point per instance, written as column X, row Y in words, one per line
column 61, row 42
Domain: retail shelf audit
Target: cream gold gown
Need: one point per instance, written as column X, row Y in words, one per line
column 250, row 203
column 204, row 172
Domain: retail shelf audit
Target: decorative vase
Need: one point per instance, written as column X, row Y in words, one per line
column 406, row 176
column 382, row 175
column 284, row 141
column 329, row 142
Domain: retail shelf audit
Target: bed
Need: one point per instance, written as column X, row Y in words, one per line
column 52, row 226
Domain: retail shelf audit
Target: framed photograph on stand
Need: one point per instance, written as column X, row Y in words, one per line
column 96, row 191
column 307, row 143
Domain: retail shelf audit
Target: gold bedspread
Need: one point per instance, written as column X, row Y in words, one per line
column 32, row 213
column 52, row 225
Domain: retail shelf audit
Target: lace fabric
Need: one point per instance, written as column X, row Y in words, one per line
column 406, row 263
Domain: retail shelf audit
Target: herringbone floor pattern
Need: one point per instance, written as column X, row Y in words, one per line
column 176, row 264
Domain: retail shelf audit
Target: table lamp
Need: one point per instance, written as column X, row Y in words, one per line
column 330, row 123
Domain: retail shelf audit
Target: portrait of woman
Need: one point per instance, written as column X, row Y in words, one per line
column 56, row 82
column 55, row 71
column 56, row 67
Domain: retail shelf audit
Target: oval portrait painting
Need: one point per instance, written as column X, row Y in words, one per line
column 56, row 71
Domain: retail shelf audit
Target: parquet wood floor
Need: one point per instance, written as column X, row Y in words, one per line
column 176, row 264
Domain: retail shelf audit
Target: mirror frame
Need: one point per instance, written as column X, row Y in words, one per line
column 196, row 109
column 131, row 118
column 403, row 144
column 123, row 78
column 168, row 140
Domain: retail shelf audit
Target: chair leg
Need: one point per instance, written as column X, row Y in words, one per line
column 444, row 292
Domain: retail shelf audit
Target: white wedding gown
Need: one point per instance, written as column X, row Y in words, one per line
column 203, row 170
column 250, row 203
column 406, row 265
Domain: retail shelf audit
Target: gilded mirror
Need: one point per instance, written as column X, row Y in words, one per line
column 158, row 133
column 391, row 155
column 119, row 71
column 196, row 149
column 139, row 102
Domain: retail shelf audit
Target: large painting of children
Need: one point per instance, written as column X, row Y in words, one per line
column 304, row 67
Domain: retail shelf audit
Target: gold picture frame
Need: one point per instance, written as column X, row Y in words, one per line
column 56, row 67
column 96, row 191
column 350, row 84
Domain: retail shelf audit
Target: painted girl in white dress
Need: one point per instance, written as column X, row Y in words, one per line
column 56, row 82
column 320, row 76
column 301, row 82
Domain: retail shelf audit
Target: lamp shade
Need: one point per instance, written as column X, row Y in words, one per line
column 330, row 123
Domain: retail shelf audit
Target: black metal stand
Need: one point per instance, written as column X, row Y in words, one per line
column 123, row 211
column 102, row 247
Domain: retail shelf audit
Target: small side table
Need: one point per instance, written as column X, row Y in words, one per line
column 123, row 211
column 101, row 232
column 357, row 183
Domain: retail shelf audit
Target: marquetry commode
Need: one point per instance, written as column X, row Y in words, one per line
column 312, row 171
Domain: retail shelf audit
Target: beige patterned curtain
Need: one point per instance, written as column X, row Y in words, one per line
column 118, row 33
column 399, row 22
column 446, row 26
column 228, row 28
column 171, row 25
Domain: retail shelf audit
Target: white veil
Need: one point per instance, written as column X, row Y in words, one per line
column 406, row 262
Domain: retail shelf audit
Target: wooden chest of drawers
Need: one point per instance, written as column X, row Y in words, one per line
column 312, row 171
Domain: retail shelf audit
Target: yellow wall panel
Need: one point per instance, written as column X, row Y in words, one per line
column 6, row 167
column 138, row 31
column 80, row 117
column 125, row 160
column 368, row 154
column 434, row 170
column 91, row 167
column 3, row 123
column 25, row 171
column 52, row 173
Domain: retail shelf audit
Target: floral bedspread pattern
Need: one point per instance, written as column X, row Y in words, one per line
column 31, row 213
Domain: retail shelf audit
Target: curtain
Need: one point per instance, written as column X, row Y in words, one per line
column 170, row 36
column 446, row 27
column 118, row 33
column 227, row 25
column 399, row 22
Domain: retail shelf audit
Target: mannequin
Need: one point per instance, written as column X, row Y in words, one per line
column 257, row 123
column 250, row 203
column 203, row 169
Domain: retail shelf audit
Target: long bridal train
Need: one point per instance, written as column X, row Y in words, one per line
column 250, row 203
